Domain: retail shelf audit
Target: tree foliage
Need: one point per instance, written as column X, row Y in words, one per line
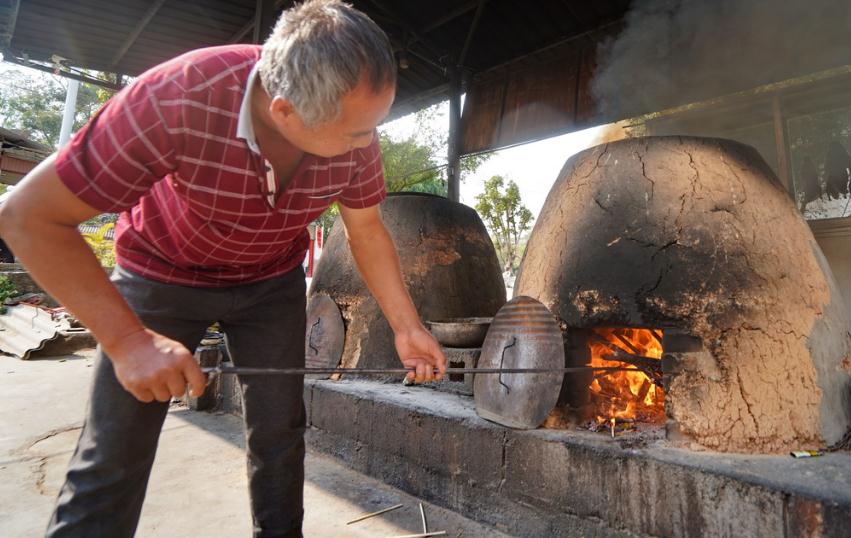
column 103, row 248
column 810, row 138
column 34, row 102
column 7, row 290
column 417, row 163
column 506, row 217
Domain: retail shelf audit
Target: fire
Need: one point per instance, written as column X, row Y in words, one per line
column 626, row 396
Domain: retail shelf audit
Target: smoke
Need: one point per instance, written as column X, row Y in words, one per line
column 673, row 52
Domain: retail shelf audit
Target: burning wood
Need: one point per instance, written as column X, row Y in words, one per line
column 627, row 396
column 652, row 367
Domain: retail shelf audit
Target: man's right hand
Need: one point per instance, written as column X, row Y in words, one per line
column 152, row 367
column 39, row 222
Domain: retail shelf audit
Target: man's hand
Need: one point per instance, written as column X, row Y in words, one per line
column 152, row 367
column 418, row 349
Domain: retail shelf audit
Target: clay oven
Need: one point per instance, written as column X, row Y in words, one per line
column 690, row 249
column 448, row 262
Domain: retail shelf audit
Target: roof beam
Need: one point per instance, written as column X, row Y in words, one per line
column 409, row 28
column 264, row 20
column 568, row 5
column 134, row 35
column 473, row 26
column 551, row 46
column 240, row 34
column 61, row 71
column 452, row 15
column 425, row 59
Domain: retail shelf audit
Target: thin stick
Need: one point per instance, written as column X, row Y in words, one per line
column 422, row 515
column 423, row 535
column 367, row 516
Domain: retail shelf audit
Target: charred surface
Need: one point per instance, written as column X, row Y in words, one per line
column 448, row 262
column 698, row 235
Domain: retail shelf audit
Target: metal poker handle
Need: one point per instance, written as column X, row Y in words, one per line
column 241, row 370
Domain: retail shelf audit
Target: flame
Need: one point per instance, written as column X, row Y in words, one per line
column 626, row 395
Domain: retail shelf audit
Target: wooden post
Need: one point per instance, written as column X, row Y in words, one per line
column 780, row 141
column 454, row 150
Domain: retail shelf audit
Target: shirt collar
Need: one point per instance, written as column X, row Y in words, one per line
column 245, row 125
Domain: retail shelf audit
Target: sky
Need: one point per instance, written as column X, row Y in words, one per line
column 534, row 166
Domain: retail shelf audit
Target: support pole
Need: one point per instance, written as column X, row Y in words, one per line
column 70, row 112
column 454, row 150
column 780, row 141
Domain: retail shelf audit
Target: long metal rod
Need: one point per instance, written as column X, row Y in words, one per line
column 239, row 370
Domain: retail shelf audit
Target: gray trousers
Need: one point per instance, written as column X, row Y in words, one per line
column 265, row 326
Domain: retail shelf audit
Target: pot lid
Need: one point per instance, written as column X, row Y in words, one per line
column 524, row 334
column 324, row 336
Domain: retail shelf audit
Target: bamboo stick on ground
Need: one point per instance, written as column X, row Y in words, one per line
column 423, row 535
column 422, row 515
column 373, row 514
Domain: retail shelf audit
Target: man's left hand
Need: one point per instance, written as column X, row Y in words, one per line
column 418, row 349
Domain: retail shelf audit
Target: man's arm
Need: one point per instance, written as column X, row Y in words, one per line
column 378, row 263
column 39, row 222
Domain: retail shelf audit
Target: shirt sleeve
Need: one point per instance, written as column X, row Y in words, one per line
column 366, row 188
column 120, row 153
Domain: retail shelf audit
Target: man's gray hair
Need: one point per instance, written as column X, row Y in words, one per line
column 320, row 50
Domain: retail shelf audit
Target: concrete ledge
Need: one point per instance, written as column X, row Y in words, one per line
column 570, row 483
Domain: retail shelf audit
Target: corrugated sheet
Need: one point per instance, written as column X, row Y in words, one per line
column 541, row 100
column 89, row 33
column 25, row 328
column 520, row 90
column 8, row 16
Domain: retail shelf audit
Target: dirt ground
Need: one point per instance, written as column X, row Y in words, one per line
column 198, row 486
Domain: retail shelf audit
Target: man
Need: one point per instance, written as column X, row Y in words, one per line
column 217, row 161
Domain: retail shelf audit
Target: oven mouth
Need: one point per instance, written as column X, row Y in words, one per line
column 613, row 401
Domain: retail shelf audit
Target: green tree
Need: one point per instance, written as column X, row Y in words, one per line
column 410, row 166
column 33, row 103
column 506, row 217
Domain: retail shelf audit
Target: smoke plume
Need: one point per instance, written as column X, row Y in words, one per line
column 673, row 52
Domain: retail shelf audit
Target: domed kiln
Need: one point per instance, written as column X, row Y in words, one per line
column 696, row 238
column 448, row 262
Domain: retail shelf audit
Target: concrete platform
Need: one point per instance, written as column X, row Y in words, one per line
column 198, row 486
column 571, row 483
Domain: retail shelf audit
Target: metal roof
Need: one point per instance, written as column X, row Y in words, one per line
column 15, row 139
column 26, row 328
column 18, row 155
column 532, row 69
column 130, row 36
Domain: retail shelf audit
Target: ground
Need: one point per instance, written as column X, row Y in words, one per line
column 198, row 486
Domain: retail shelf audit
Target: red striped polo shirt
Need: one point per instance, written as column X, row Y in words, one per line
column 164, row 152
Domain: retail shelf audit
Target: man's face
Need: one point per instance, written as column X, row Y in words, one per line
column 361, row 110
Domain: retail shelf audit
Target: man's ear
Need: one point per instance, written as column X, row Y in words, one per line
column 281, row 109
